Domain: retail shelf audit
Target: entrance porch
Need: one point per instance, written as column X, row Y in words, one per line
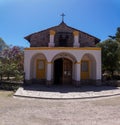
column 61, row 65
column 62, row 71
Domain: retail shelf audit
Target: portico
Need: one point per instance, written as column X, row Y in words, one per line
column 61, row 65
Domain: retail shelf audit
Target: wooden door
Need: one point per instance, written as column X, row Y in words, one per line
column 67, row 71
column 85, row 69
column 40, row 69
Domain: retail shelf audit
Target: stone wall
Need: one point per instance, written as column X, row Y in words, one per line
column 42, row 38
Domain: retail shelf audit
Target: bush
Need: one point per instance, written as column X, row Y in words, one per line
column 116, row 77
column 9, row 86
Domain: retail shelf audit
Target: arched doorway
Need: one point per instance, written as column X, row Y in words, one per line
column 38, row 67
column 85, row 69
column 88, row 67
column 62, row 71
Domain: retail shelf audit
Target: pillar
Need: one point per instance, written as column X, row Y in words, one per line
column 49, row 73
column 76, row 39
column 51, row 42
column 27, row 67
column 77, row 73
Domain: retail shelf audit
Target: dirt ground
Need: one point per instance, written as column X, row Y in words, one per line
column 16, row 111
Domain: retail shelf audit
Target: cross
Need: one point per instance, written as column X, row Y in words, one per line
column 62, row 16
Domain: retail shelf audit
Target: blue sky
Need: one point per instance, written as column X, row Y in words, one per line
column 19, row 18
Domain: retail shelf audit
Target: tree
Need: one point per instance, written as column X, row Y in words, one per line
column 117, row 35
column 12, row 61
column 110, row 55
column 1, row 70
column 2, row 44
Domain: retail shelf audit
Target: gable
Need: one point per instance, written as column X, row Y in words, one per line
column 41, row 39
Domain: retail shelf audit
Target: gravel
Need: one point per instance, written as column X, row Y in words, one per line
column 18, row 111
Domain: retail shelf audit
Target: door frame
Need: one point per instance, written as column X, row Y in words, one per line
column 63, row 71
column 40, row 74
column 85, row 75
column 67, row 72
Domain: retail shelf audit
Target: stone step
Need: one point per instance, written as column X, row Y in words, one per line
column 81, row 93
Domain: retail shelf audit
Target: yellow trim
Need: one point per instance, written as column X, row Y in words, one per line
column 78, row 63
column 49, row 63
column 52, row 32
column 62, row 48
column 76, row 33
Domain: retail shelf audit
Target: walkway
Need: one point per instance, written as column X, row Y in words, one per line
column 66, row 92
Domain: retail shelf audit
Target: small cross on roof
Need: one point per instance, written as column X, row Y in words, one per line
column 62, row 16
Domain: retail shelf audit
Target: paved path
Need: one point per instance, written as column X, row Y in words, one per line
column 66, row 92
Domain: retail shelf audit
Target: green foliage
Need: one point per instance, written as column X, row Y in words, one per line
column 110, row 55
column 9, row 86
column 11, row 63
column 10, row 69
column 117, row 36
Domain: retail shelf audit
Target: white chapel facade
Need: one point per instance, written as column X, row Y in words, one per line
column 62, row 55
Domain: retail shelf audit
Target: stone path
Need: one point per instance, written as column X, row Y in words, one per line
column 66, row 92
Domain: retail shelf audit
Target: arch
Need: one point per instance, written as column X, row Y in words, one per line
column 63, row 71
column 66, row 63
column 88, row 66
column 65, row 55
column 35, row 59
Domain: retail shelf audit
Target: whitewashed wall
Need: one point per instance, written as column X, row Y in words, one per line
column 49, row 54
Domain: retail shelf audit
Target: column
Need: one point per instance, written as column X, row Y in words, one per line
column 27, row 67
column 98, row 68
column 77, row 73
column 49, row 73
column 51, row 42
column 76, row 39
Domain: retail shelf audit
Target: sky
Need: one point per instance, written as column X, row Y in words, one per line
column 19, row 18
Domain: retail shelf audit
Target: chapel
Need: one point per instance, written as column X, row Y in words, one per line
column 62, row 55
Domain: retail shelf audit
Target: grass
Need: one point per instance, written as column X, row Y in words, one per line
column 6, row 93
